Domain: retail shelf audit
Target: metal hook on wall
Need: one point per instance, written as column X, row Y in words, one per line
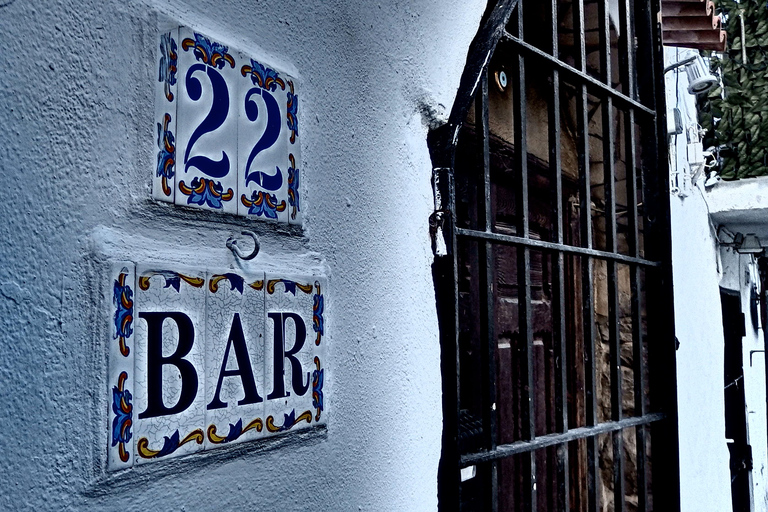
column 232, row 246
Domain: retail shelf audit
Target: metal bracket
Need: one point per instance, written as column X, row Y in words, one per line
column 232, row 246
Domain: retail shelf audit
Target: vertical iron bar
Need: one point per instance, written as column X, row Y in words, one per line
column 627, row 48
column 638, row 356
column 658, row 282
column 628, row 78
column 585, row 201
column 525, row 326
column 609, row 178
column 558, row 276
column 487, row 316
column 638, row 348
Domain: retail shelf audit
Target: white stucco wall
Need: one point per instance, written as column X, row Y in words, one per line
column 704, row 459
column 700, row 269
column 76, row 156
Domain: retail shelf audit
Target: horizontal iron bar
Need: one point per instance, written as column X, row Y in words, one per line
column 580, row 75
column 552, row 246
column 507, row 450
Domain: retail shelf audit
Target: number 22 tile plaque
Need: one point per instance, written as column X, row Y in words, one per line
column 227, row 130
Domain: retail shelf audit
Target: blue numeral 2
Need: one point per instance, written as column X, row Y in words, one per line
column 266, row 141
column 215, row 118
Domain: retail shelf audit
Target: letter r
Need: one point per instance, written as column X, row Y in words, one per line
column 281, row 355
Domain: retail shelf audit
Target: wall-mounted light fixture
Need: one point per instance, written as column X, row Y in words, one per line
column 700, row 80
column 743, row 244
column 750, row 245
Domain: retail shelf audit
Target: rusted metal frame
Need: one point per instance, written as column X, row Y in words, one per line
column 609, row 178
column 558, row 274
column 442, row 144
column 450, row 135
column 508, row 450
column 525, row 323
column 551, row 246
column 662, row 370
column 579, row 76
column 445, row 275
column 487, row 283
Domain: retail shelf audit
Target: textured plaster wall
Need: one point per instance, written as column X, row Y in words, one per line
column 76, row 153
column 704, row 460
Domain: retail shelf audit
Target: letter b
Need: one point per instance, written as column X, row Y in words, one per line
column 156, row 361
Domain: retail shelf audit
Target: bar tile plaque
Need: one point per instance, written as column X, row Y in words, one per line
column 200, row 359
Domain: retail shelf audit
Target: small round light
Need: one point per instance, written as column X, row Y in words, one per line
column 501, row 80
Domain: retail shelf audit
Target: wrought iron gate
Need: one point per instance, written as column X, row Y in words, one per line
column 552, row 264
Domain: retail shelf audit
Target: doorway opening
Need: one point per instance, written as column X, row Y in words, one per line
column 736, row 433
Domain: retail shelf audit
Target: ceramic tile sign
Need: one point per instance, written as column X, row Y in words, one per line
column 227, row 130
column 204, row 359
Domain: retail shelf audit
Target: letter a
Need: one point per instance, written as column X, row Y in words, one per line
column 244, row 370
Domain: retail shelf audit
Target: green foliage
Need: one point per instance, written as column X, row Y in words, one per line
column 736, row 115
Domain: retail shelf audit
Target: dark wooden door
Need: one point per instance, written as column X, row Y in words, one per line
column 735, row 403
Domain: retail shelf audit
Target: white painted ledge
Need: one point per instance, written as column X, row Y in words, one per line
column 740, row 202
